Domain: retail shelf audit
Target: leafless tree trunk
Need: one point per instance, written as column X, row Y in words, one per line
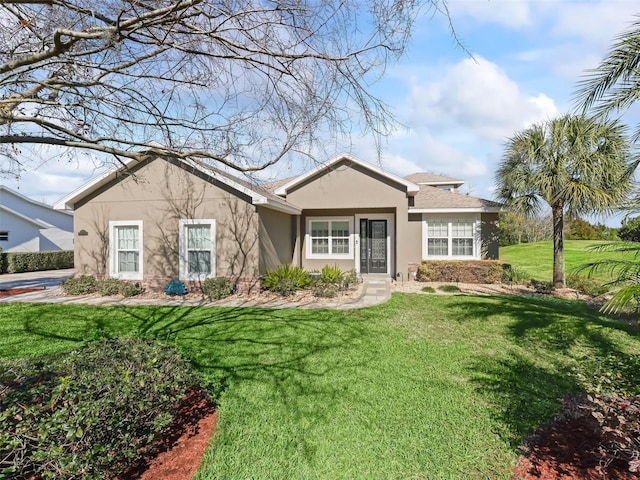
column 241, row 83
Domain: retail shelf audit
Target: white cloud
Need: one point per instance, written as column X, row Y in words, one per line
column 510, row 13
column 479, row 97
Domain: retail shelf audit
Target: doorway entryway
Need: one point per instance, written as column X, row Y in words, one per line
column 374, row 256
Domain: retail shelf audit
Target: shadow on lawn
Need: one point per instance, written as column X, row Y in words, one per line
column 557, row 347
column 285, row 348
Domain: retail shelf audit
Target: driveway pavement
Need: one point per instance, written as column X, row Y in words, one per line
column 45, row 279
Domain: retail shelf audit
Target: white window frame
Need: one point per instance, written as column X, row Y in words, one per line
column 184, row 253
column 330, row 255
column 113, row 250
column 449, row 220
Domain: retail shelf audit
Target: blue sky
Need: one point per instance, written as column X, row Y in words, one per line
column 457, row 111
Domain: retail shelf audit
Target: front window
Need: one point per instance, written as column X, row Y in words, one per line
column 197, row 249
column 4, row 236
column 126, row 249
column 438, row 238
column 330, row 238
column 451, row 237
column 462, row 238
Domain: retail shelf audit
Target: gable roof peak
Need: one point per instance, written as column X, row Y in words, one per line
column 411, row 187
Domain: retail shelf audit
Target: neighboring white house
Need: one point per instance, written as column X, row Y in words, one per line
column 30, row 226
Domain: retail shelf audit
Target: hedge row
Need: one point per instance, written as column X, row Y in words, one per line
column 18, row 262
column 468, row 271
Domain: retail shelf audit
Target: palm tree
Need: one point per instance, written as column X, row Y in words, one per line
column 573, row 164
column 615, row 84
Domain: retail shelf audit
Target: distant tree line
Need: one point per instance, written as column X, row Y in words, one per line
column 516, row 228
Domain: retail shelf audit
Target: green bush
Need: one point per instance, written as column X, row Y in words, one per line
column 85, row 285
column 350, row 279
column 466, row 271
column 89, row 413
column 18, row 262
column 324, row 288
column 512, row 274
column 286, row 279
column 331, row 274
column 448, row 288
column 129, row 289
column 108, row 286
column 586, row 285
column 82, row 285
column 428, row 289
column 217, row 288
column 541, row 286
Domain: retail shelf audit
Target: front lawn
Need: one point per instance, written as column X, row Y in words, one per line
column 425, row 386
column 536, row 258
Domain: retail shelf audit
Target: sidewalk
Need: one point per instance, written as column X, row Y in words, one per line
column 375, row 290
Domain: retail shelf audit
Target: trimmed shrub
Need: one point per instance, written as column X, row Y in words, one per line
column 83, row 285
column 586, row 285
column 217, row 288
column 350, row 279
column 466, row 271
column 129, row 289
column 324, row 288
column 541, row 286
column 428, row 289
column 108, row 286
column 448, row 288
column 89, row 413
column 18, row 262
column 175, row 287
column 286, row 279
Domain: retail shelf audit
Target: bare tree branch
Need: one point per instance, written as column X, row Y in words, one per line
column 241, row 83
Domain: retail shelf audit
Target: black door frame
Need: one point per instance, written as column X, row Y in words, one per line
column 365, row 246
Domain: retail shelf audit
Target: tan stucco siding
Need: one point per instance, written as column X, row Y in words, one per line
column 159, row 195
column 277, row 239
column 490, row 233
column 347, row 186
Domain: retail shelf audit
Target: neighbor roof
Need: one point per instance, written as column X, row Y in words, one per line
column 435, row 200
column 411, row 187
column 258, row 195
column 426, row 178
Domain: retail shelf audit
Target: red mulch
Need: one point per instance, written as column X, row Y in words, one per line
column 568, row 448
column 18, row 291
column 177, row 455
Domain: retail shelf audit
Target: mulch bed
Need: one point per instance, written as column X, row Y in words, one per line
column 177, row 455
column 17, row 291
column 573, row 446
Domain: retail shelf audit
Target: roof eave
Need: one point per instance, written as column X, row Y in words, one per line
column 280, row 207
column 457, row 210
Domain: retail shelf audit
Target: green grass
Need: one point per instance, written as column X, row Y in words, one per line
column 432, row 387
column 537, row 258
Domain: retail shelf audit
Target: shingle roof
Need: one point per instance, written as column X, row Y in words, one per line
column 437, row 198
column 426, row 177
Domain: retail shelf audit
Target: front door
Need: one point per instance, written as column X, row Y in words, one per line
column 373, row 246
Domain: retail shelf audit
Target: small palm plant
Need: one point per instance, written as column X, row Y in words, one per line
column 625, row 275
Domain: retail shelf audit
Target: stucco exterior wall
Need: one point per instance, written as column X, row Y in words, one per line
column 159, row 194
column 489, row 233
column 350, row 190
column 277, row 238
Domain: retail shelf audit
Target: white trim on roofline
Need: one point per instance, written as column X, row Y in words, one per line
column 67, row 202
column 30, row 200
column 457, row 210
column 38, row 223
column 454, row 182
column 412, row 188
